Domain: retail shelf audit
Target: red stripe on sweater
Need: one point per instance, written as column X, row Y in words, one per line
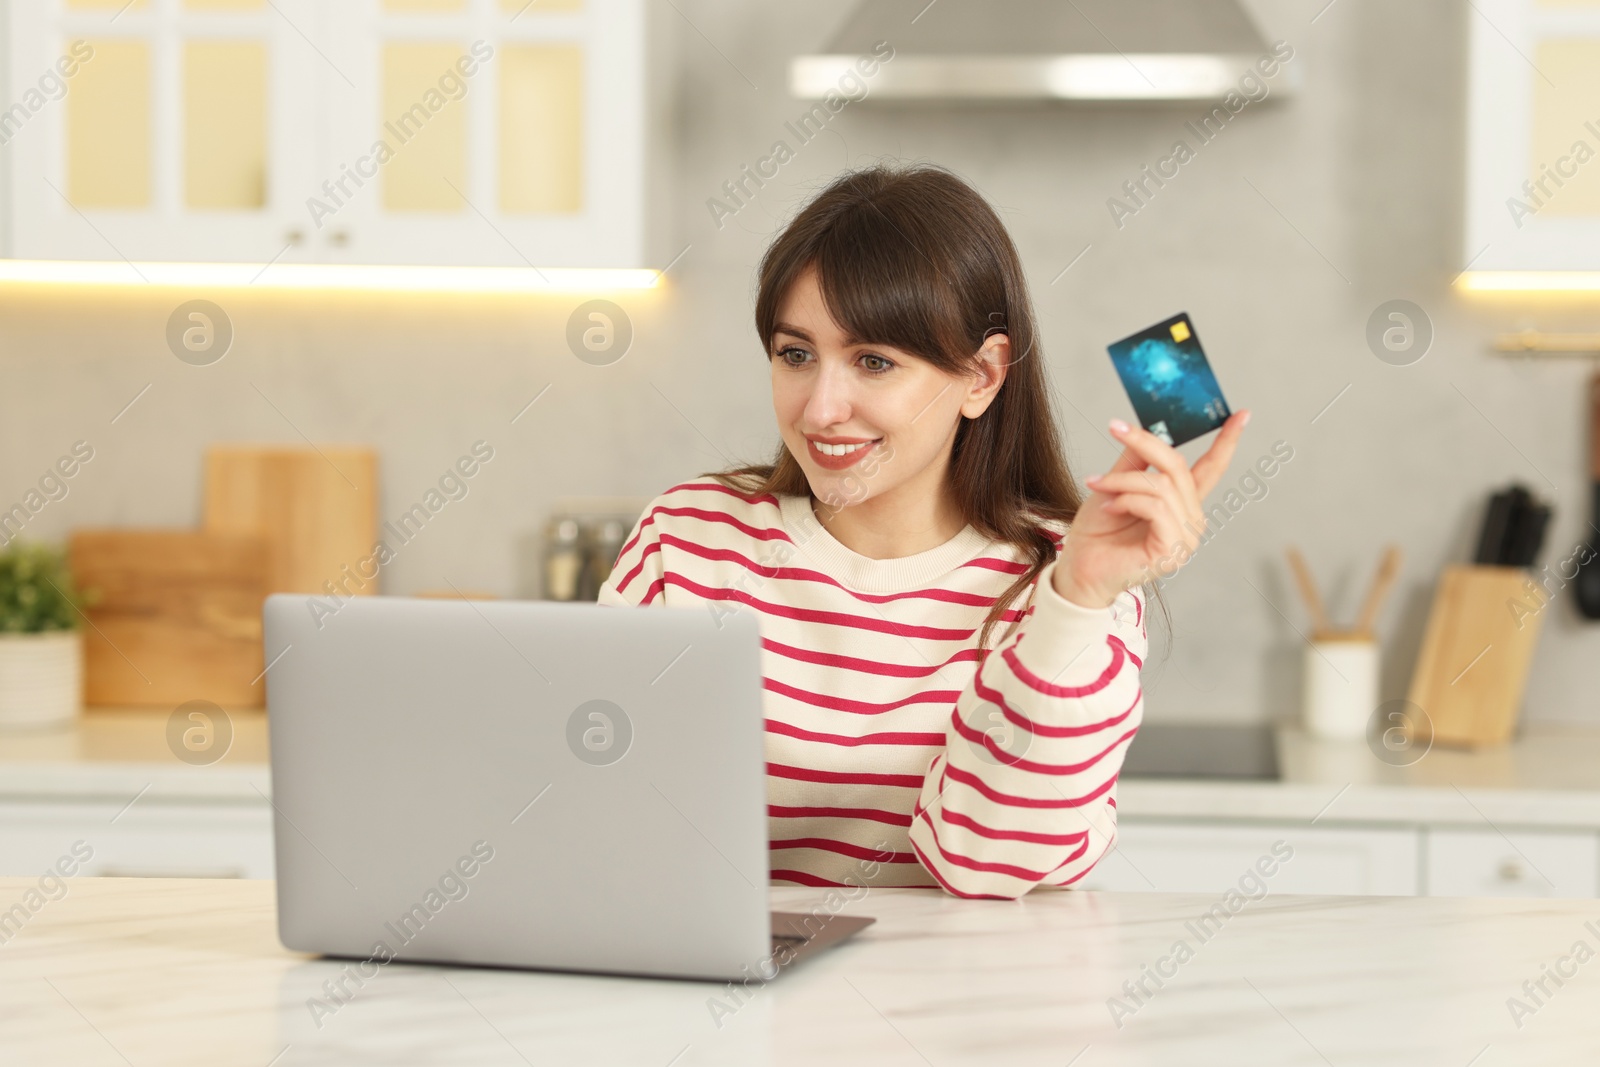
column 833, row 618
column 1027, row 802
column 1077, row 855
column 946, row 886
column 768, row 534
column 892, row 818
column 844, row 848
column 1040, row 685
column 955, row 818
column 718, row 487
column 808, row 879
column 1080, row 874
column 653, row 548
column 802, row 574
column 638, row 532
column 980, row 737
column 902, row 737
column 1011, row 869
column 866, row 666
column 809, row 774
column 859, row 707
column 997, row 698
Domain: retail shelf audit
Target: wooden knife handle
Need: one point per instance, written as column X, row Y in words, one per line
column 1388, row 570
column 1308, row 589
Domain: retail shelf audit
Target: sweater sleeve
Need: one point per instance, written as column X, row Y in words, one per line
column 1024, row 793
column 637, row 578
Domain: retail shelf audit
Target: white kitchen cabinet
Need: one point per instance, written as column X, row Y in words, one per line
column 181, row 132
column 429, row 132
column 144, row 839
column 541, row 159
column 1533, row 152
column 1183, row 857
column 1519, row 863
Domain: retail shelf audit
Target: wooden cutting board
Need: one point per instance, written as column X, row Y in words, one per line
column 316, row 508
column 178, row 616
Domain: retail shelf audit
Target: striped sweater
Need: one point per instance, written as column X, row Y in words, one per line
column 898, row 754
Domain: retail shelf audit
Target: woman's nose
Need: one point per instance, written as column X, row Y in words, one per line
column 829, row 403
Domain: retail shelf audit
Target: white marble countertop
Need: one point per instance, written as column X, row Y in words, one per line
column 112, row 753
column 178, row 973
column 1547, row 777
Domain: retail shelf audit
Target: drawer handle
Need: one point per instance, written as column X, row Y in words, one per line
column 110, row 871
column 1511, row 871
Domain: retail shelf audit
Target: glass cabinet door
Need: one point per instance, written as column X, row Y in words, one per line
column 1533, row 152
column 164, row 129
column 433, row 132
column 486, row 132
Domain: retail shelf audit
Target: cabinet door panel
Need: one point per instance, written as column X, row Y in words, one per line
column 1533, row 182
column 139, row 840
column 182, row 129
column 487, row 134
column 108, row 129
column 1175, row 857
column 225, row 102
column 430, row 132
column 1520, row 863
column 540, row 136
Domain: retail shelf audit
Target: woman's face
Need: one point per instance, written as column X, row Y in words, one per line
column 864, row 420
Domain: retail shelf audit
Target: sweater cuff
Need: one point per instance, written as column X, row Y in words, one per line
column 1059, row 631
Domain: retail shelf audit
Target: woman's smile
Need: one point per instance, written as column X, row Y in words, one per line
column 838, row 453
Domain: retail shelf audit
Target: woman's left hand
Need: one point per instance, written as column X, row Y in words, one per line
column 1138, row 523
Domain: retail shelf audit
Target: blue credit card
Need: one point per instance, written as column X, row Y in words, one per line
column 1169, row 380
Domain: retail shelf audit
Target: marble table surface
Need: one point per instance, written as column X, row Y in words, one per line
column 189, row 972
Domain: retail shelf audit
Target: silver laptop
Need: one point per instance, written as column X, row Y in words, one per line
column 526, row 784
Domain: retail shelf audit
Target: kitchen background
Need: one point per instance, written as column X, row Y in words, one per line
column 1280, row 238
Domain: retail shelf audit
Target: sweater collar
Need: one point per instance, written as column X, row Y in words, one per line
column 869, row 575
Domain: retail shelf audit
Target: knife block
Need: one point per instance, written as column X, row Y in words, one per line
column 1475, row 654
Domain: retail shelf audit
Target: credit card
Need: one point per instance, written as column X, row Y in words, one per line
column 1169, row 380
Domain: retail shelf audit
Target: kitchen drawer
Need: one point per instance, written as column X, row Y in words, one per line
column 1523, row 863
column 1177, row 857
column 145, row 840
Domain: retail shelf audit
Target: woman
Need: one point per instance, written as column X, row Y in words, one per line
column 952, row 636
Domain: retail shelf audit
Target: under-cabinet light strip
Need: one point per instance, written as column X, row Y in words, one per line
column 313, row 276
column 1530, row 281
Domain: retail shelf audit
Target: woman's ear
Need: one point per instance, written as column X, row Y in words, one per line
column 993, row 360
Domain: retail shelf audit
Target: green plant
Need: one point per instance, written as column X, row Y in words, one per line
column 36, row 590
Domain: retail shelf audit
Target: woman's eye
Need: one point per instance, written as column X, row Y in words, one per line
column 875, row 364
column 871, row 362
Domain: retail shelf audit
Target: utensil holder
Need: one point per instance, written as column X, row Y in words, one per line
column 1475, row 655
column 1341, row 683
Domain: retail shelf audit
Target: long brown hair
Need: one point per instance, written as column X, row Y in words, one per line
column 915, row 258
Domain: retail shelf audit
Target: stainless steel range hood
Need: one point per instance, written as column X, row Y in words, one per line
column 1040, row 50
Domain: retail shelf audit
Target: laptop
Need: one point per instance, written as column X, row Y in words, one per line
column 557, row 786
